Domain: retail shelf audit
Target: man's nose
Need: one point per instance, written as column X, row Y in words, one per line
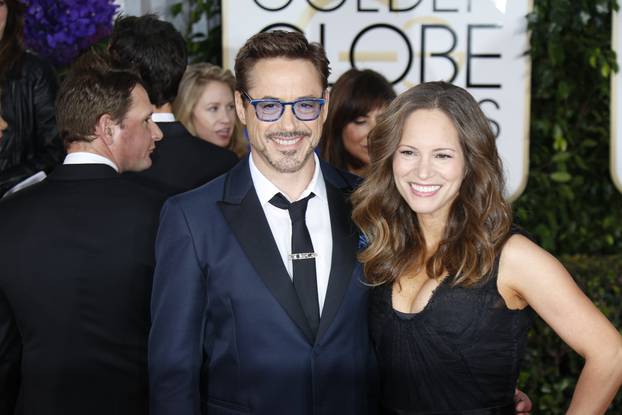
column 288, row 119
column 156, row 133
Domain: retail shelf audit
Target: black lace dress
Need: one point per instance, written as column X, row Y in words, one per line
column 461, row 354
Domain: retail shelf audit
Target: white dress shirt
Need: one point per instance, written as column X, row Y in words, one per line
column 84, row 157
column 162, row 117
column 317, row 219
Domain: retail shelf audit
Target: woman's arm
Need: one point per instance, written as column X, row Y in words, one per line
column 530, row 275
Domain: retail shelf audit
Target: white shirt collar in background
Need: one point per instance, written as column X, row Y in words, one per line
column 163, row 117
column 84, row 157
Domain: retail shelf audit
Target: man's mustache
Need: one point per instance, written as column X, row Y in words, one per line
column 288, row 134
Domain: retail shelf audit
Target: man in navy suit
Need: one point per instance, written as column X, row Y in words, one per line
column 242, row 321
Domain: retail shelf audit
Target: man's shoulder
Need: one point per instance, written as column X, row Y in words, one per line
column 29, row 196
column 142, row 192
column 340, row 179
column 177, row 134
column 204, row 195
column 173, row 130
column 99, row 190
column 185, row 161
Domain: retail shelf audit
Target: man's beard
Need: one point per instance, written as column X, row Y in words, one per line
column 288, row 162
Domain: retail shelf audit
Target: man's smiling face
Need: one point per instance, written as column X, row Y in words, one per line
column 285, row 145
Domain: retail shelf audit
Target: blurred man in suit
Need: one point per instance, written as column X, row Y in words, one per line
column 157, row 51
column 76, row 254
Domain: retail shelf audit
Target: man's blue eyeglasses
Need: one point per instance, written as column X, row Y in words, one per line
column 269, row 109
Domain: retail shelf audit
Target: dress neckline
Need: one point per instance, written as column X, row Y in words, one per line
column 401, row 315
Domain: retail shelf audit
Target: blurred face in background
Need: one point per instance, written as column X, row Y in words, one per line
column 4, row 11
column 355, row 134
column 214, row 115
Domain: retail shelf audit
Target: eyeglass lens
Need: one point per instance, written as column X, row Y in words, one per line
column 303, row 110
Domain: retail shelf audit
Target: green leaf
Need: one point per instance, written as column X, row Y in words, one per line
column 559, row 142
column 589, row 143
column 561, row 157
column 561, row 176
column 593, row 60
column 605, row 70
column 176, row 9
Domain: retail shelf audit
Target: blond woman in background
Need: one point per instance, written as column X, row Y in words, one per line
column 205, row 106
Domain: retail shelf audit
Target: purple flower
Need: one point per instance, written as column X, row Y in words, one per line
column 60, row 30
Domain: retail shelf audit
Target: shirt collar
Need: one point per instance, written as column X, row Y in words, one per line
column 84, row 157
column 163, row 117
column 266, row 189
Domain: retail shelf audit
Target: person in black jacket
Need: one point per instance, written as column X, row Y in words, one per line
column 3, row 123
column 31, row 142
column 76, row 260
column 157, row 51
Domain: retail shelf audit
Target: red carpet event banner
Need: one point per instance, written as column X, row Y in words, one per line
column 477, row 44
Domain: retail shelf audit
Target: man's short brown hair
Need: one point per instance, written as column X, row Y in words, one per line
column 92, row 89
column 279, row 44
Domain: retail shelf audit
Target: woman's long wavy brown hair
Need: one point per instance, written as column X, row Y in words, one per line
column 479, row 219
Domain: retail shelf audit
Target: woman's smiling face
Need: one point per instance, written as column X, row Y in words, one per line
column 428, row 166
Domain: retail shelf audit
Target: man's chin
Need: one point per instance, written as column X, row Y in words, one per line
column 291, row 164
column 138, row 167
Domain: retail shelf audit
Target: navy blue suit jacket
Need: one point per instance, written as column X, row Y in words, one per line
column 228, row 333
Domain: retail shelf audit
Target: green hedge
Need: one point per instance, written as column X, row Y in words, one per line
column 570, row 203
column 551, row 368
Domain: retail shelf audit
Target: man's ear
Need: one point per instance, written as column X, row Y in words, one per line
column 325, row 108
column 239, row 107
column 105, row 129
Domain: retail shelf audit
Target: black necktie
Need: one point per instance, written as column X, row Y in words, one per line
column 303, row 258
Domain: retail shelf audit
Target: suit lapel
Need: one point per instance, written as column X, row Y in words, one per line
column 243, row 212
column 345, row 240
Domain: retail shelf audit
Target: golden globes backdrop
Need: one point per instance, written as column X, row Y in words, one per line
column 477, row 44
column 140, row 7
column 616, row 106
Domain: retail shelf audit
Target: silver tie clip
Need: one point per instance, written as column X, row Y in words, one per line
column 302, row 255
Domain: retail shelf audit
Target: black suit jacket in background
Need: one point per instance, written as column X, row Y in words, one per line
column 76, row 268
column 182, row 161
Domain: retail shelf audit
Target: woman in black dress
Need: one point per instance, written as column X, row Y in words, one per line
column 454, row 282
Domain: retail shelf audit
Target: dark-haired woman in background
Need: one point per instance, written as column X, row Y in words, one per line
column 356, row 99
column 29, row 86
column 455, row 282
